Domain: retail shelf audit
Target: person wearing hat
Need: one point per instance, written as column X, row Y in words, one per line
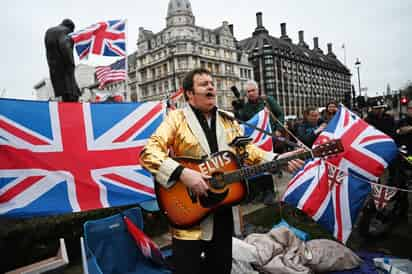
column 381, row 120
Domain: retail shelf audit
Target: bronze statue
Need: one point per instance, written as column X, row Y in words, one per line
column 59, row 51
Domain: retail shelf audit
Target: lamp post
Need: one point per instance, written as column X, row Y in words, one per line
column 357, row 64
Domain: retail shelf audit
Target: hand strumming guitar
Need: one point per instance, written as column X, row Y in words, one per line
column 195, row 181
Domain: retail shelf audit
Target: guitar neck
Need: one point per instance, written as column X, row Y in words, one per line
column 251, row 171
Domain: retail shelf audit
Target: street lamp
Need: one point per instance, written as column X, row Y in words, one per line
column 357, row 64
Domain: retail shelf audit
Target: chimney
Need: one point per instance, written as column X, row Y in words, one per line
column 330, row 51
column 315, row 42
column 302, row 39
column 259, row 28
column 231, row 29
column 316, row 45
column 283, row 33
column 259, row 19
column 283, row 29
column 329, row 47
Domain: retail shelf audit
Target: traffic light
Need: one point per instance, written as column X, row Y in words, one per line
column 404, row 100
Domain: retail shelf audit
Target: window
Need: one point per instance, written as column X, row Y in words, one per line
column 270, row 74
column 166, row 85
column 268, row 60
column 144, row 75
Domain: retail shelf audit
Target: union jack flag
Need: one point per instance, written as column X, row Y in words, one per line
column 260, row 120
column 68, row 157
column 103, row 38
column 382, row 195
column 332, row 191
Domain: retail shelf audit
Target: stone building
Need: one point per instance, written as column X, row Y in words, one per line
column 163, row 58
column 295, row 74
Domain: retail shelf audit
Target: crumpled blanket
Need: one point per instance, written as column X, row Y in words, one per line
column 280, row 251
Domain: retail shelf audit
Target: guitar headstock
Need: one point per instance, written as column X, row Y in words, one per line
column 326, row 149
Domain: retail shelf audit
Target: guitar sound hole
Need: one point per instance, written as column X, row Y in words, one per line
column 217, row 181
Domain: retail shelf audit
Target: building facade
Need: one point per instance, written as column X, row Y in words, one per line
column 297, row 76
column 163, row 58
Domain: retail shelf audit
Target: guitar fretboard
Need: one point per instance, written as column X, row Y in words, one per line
column 248, row 172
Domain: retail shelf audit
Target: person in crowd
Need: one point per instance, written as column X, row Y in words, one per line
column 404, row 129
column 197, row 130
column 330, row 110
column 379, row 118
column 59, row 52
column 261, row 188
column 311, row 126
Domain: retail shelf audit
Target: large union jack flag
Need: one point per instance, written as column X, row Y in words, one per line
column 103, row 38
column 332, row 191
column 260, row 120
column 69, row 157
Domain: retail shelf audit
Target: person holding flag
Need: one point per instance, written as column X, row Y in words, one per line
column 261, row 188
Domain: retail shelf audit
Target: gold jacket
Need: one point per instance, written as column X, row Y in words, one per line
column 181, row 133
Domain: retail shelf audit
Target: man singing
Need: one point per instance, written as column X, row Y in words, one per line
column 195, row 131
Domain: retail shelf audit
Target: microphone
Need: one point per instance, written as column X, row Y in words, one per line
column 235, row 91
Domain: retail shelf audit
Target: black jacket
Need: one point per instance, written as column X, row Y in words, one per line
column 384, row 123
column 405, row 139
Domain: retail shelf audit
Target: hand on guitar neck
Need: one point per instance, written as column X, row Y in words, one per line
column 293, row 165
column 195, row 181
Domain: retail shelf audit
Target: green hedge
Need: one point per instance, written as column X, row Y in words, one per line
column 25, row 241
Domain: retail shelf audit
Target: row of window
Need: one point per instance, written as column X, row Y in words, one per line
column 245, row 73
column 293, row 67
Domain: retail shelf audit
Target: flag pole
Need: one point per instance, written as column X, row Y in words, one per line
column 126, row 61
column 344, row 53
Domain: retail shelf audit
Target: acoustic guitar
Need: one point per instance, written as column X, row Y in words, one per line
column 227, row 186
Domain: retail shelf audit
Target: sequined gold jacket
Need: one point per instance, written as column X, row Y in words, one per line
column 181, row 133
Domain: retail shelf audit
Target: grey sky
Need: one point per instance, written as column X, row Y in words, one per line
column 378, row 32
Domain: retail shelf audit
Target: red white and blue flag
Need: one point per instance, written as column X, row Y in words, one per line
column 382, row 195
column 104, row 38
column 110, row 74
column 333, row 191
column 149, row 249
column 68, row 157
column 260, row 120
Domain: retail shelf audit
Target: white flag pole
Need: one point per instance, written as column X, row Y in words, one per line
column 126, row 61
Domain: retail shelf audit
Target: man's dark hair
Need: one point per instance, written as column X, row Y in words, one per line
column 308, row 110
column 188, row 80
